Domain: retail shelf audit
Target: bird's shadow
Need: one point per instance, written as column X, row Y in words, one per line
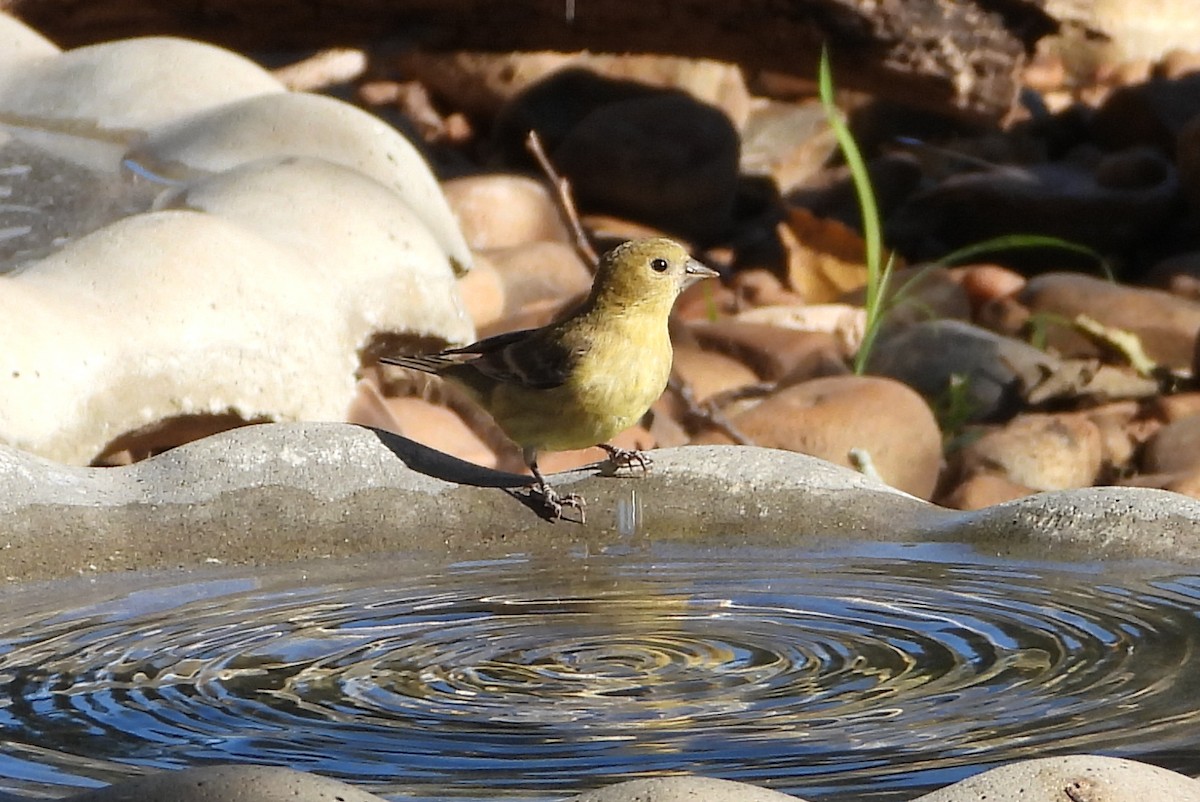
column 440, row 465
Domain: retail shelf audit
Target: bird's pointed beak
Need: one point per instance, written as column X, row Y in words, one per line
column 694, row 271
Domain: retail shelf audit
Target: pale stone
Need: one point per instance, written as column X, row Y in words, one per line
column 20, row 44
column 503, row 211
column 683, row 789
column 305, row 125
column 1043, row 452
column 832, row 417
column 540, row 275
column 176, row 313
column 128, row 86
column 1075, row 777
column 708, row 373
column 226, row 783
column 379, row 261
column 1165, row 324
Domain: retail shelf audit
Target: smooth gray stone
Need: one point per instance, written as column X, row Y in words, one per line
column 282, row 492
column 279, row 492
column 927, row 355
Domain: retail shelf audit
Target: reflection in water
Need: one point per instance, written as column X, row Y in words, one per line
column 885, row 672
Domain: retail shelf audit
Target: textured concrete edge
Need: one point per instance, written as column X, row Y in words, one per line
column 1092, row 777
column 283, row 492
column 1089, row 523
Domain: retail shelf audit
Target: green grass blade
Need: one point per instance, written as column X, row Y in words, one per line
column 1009, row 242
column 872, row 231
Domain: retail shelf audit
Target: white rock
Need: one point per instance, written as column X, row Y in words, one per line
column 380, row 263
column 1076, row 777
column 683, row 789
column 305, row 125
column 128, row 85
column 20, row 44
column 166, row 314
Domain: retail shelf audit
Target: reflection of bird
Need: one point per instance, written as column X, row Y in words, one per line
column 578, row 382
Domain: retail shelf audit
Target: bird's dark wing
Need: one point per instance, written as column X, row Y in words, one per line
column 528, row 357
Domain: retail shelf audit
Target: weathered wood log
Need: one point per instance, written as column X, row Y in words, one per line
column 961, row 57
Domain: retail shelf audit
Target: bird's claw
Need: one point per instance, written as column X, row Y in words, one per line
column 627, row 459
column 553, row 504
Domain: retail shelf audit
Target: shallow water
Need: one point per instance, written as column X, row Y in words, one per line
column 869, row 672
column 56, row 187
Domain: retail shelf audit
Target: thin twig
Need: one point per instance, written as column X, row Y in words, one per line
column 706, row 413
column 566, row 203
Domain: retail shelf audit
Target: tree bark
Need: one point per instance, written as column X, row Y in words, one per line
column 961, row 57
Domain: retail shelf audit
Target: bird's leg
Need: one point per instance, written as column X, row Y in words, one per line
column 627, row 458
column 552, row 500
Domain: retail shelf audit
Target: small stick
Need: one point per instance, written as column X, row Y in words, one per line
column 566, row 203
column 708, row 413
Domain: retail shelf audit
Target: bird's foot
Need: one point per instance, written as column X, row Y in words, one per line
column 553, row 504
column 627, row 459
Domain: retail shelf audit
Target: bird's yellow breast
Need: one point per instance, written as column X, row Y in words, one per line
column 621, row 372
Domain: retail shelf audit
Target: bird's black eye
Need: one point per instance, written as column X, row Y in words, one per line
column 659, row 265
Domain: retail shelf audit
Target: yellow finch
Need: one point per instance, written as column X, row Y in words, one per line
column 577, row 382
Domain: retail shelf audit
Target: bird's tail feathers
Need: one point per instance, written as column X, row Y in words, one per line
column 429, row 363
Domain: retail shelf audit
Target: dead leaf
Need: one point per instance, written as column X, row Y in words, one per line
column 826, row 258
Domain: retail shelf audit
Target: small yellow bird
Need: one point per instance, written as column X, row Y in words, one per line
column 578, row 382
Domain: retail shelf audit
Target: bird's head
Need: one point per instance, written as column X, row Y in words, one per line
column 646, row 270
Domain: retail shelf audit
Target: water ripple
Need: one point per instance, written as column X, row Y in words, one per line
column 833, row 674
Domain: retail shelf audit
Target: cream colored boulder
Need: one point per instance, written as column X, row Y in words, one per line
column 177, row 313
column 297, row 124
column 20, row 44
column 128, row 86
column 379, row 263
column 292, row 238
column 163, row 315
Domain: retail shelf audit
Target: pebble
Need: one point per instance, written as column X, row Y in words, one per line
column 500, row 210
column 1147, row 113
column 438, row 427
column 708, row 373
column 790, row 142
column 1037, row 450
column 483, row 293
column 1077, row 202
column 1174, row 448
column 983, row 490
column 830, row 417
column 1167, row 325
column 955, row 364
column 539, row 277
column 987, row 283
column 1177, row 406
column 772, row 352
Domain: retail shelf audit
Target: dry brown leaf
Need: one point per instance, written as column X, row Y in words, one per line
column 826, row 258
